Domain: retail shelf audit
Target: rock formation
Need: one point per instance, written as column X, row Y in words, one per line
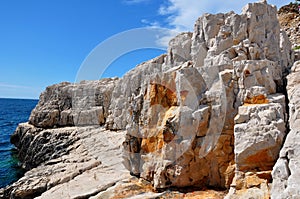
column 68, row 104
column 220, row 107
column 213, row 112
column 289, row 18
column 286, row 175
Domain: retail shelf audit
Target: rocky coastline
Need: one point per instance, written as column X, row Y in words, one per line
column 216, row 117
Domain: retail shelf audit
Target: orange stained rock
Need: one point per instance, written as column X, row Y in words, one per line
column 206, row 194
column 156, row 142
column 160, row 94
column 262, row 159
column 258, row 99
column 136, row 187
column 253, row 180
column 153, row 143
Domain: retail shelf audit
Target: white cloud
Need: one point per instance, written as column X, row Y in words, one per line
column 181, row 15
column 153, row 24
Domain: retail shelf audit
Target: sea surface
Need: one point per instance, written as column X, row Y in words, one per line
column 12, row 112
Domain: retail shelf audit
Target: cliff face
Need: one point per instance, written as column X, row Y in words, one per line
column 286, row 175
column 213, row 112
column 216, row 114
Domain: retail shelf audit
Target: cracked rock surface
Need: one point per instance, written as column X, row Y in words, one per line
column 219, row 110
column 93, row 163
column 286, row 175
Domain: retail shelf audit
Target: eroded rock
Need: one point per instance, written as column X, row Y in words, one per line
column 183, row 117
column 93, row 163
column 209, row 113
column 286, row 175
column 66, row 104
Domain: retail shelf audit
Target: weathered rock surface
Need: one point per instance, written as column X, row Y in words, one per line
column 127, row 90
column 286, row 175
column 259, row 132
column 183, row 117
column 67, row 104
column 37, row 145
column 212, row 112
column 289, row 18
column 91, row 163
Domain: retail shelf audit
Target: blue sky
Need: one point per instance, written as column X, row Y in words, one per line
column 45, row 42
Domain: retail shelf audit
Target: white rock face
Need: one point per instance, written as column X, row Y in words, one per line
column 128, row 89
column 286, row 175
column 87, row 161
column 68, row 104
column 209, row 113
column 258, row 136
column 179, row 50
column 182, row 118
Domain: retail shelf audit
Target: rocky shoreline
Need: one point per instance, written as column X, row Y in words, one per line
column 217, row 116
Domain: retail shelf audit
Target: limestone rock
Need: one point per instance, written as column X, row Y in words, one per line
column 183, row 117
column 209, row 113
column 68, row 104
column 83, row 171
column 127, row 90
column 179, row 50
column 259, row 132
column 36, row 145
column 258, row 137
column 286, row 175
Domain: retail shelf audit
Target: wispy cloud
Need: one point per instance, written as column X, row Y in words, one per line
column 135, row 1
column 153, row 24
column 11, row 86
column 19, row 91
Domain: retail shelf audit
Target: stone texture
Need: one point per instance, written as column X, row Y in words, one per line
column 258, row 136
column 286, row 175
column 183, row 117
column 67, row 104
column 289, row 19
column 37, row 145
column 259, row 132
column 139, row 189
column 179, row 50
column 127, row 91
column 169, row 120
column 210, row 113
column 82, row 172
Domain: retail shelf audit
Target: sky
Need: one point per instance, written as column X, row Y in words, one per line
column 51, row 41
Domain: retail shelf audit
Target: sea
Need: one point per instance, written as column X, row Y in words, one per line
column 12, row 112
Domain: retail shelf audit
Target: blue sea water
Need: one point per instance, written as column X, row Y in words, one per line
column 12, row 112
